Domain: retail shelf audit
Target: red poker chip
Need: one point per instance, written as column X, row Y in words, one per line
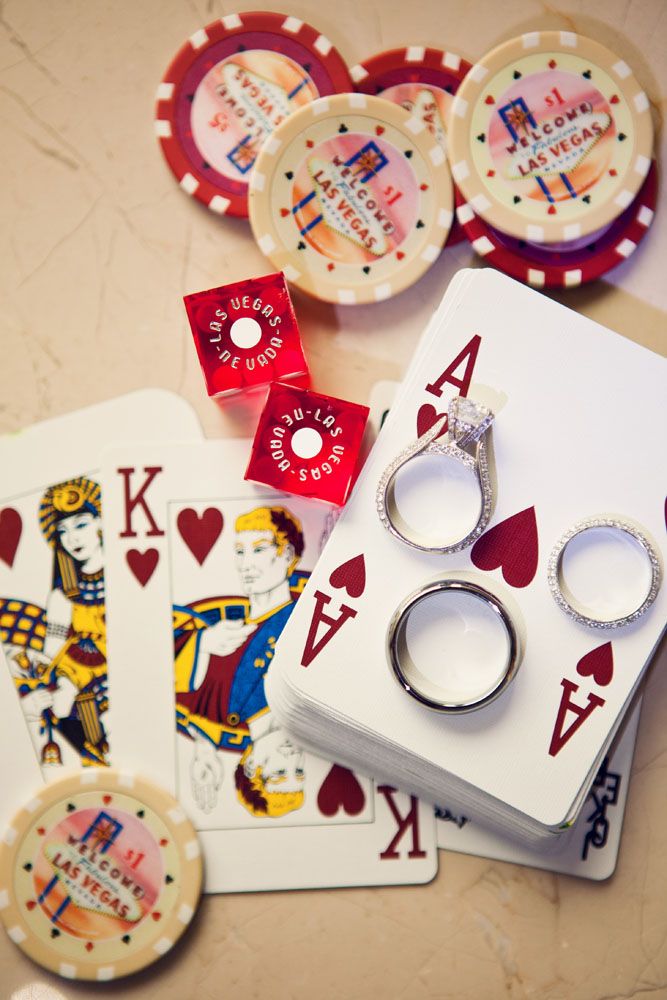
column 563, row 265
column 423, row 81
column 226, row 90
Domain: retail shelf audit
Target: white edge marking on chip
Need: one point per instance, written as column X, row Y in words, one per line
column 645, row 216
column 346, row 296
column 451, row 61
column 17, row 934
column 382, row 291
column 572, row 231
column 257, row 181
column 176, row 815
column 358, row 73
column 162, row 128
column 293, row 25
column 88, row 777
column 414, row 53
column 483, row 245
column 535, row 278
column 266, row 244
column 185, row 913
column 192, row 849
column 464, row 213
column 291, row 273
column 126, row 780
column 105, row 973
column 4, row 899
column 623, row 198
column 460, row 170
column 430, row 253
column 219, row 204
column 33, row 805
column 625, row 247
column 358, row 101
column 478, row 73
column 272, row 145
column 535, row 234
column 67, row 970
column 642, row 165
column 165, row 92
column 568, row 39
column 9, row 836
column 231, row 21
column 621, row 69
column 436, row 155
column 198, row 39
column 189, row 183
column 641, row 102
column 445, row 218
column 572, row 278
column 323, row 45
column 415, row 125
column 530, row 40
column 480, row 203
column 459, row 107
column 163, row 945
column 320, row 106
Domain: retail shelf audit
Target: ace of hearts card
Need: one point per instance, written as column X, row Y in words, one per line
column 204, row 572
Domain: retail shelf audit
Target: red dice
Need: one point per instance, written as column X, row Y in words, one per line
column 307, row 443
column 246, row 334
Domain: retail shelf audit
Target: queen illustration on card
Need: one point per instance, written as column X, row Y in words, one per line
column 223, row 649
column 57, row 653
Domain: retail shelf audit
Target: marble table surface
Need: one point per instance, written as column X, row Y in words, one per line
column 98, row 246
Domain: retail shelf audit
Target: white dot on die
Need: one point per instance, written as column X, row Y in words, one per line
column 245, row 332
column 306, row 442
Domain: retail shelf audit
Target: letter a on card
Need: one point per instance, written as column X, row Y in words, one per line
column 559, row 736
column 314, row 646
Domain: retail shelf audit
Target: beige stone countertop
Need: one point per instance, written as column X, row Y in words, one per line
column 99, row 244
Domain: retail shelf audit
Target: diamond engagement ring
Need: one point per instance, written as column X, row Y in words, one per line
column 440, row 696
column 565, row 599
column 467, row 426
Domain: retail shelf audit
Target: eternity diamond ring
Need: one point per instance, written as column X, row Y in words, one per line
column 467, row 426
column 566, row 601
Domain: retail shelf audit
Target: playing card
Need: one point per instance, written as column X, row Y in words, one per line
column 564, row 450
column 52, row 558
column 204, row 572
column 23, row 779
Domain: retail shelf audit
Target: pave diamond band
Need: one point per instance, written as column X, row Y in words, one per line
column 559, row 590
column 467, row 426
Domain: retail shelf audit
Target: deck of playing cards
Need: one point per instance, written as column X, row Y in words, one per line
column 577, row 428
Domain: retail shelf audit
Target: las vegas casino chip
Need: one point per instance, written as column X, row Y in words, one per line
column 569, row 264
column 100, row 874
column 421, row 80
column 351, row 198
column 226, row 90
column 550, row 137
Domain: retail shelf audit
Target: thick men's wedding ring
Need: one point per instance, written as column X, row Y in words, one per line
column 559, row 589
column 407, row 674
column 467, row 425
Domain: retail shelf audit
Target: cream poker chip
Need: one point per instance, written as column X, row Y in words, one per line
column 351, row 197
column 550, row 137
column 100, row 874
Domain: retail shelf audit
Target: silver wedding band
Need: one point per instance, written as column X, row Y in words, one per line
column 406, row 672
column 559, row 590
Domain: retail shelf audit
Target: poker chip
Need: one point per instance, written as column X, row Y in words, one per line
column 226, row 90
column 550, row 137
column 100, row 874
column 351, row 198
column 563, row 265
column 421, row 80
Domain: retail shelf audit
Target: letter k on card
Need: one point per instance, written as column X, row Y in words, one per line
column 136, row 484
column 350, row 577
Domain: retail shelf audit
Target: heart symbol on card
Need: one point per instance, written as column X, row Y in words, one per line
column 427, row 415
column 341, row 790
column 142, row 564
column 511, row 546
column 200, row 532
column 11, row 527
column 598, row 664
column 350, row 576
